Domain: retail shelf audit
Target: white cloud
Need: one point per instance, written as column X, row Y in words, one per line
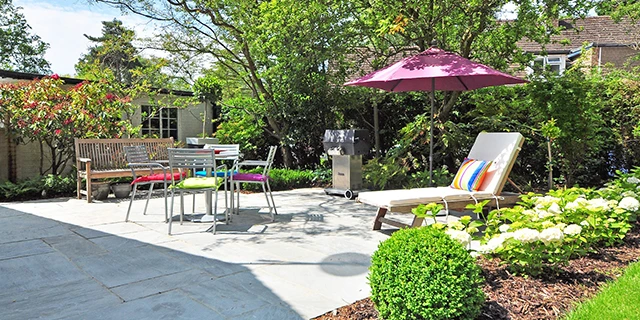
column 64, row 24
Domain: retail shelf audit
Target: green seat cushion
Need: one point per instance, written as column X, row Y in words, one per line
column 199, row 183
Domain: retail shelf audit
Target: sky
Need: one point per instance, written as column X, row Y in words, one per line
column 63, row 23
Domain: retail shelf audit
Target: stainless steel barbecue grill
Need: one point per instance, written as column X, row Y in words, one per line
column 346, row 147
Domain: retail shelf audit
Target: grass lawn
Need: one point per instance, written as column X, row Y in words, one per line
column 618, row 300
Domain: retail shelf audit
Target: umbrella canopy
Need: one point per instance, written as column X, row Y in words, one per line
column 431, row 70
column 450, row 71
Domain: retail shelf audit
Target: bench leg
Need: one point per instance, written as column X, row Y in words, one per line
column 377, row 224
column 417, row 222
column 79, row 186
column 88, row 179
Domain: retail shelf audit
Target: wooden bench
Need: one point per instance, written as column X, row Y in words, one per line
column 105, row 158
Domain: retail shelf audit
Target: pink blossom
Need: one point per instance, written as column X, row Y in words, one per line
column 58, row 131
column 55, row 76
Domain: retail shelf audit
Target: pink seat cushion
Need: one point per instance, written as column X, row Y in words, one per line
column 249, row 177
column 159, row 177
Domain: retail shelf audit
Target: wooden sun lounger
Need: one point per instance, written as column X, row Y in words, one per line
column 500, row 147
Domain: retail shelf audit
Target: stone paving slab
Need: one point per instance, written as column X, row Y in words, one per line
column 312, row 259
column 57, row 301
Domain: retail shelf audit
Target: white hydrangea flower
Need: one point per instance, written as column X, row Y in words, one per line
column 575, row 204
column 544, row 214
column 551, row 235
column 629, row 203
column 545, row 201
column 493, row 244
column 598, row 204
column 506, row 235
column 504, row 228
column 554, row 208
column 457, row 225
column 526, row 235
column 630, row 194
column 633, row 180
column 529, row 212
column 584, row 223
column 573, row 229
column 460, row 236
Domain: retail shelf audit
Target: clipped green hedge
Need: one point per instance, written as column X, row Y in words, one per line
column 287, row 179
column 39, row 187
column 421, row 273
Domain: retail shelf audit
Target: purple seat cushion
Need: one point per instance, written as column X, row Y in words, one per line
column 250, row 177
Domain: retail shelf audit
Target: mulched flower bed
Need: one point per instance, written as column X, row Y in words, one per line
column 546, row 297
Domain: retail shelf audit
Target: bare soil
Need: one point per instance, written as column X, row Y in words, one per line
column 547, row 297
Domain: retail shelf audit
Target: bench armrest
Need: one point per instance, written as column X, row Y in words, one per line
column 84, row 159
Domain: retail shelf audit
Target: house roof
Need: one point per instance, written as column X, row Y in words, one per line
column 15, row 75
column 600, row 31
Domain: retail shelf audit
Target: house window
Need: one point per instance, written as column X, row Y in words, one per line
column 554, row 64
column 162, row 123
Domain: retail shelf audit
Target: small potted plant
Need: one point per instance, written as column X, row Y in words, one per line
column 100, row 190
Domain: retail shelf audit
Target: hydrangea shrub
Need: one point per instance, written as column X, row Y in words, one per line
column 548, row 230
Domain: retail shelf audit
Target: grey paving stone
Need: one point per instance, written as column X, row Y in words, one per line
column 215, row 267
column 89, row 233
column 7, row 212
column 33, row 272
column 117, row 243
column 23, row 249
column 74, row 246
column 145, row 288
column 62, row 301
column 170, row 305
column 28, row 227
column 136, row 264
column 226, row 297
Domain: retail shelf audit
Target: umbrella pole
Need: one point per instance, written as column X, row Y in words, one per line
column 433, row 89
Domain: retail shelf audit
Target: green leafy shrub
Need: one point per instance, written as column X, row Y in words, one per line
column 287, row 179
column 422, row 273
column 391, row 173
column 47, row 186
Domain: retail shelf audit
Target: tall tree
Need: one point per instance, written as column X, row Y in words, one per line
column 113, row 50
column 19, row 49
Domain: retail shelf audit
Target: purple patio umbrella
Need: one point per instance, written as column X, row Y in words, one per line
column 446, row 71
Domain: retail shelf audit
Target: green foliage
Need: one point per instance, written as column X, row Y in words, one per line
column 288, row 179
column 547, row 231
column 44, row 111
column 617, row 300
column 421, row 273
column 398, row 173
column 19, row 49
column 238, row 126
column 35, row 188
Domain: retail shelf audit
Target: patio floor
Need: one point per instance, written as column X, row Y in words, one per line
column 65, row 258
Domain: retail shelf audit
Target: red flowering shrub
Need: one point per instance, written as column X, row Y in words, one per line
column 42, row 110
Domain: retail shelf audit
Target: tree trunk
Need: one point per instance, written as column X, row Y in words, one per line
column 287, row 156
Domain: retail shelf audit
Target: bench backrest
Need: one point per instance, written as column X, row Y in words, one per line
column 108, row 154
